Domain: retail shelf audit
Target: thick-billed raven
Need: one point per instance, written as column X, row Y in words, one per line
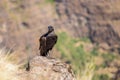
column 47, row 41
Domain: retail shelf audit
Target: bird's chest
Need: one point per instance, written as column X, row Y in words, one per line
column 50, row 40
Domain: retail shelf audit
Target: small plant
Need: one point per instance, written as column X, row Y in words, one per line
column 88, row 72
column 85, row 39
column 50, row 1
column 101, row 77
column 108, row 56
column 94, row 51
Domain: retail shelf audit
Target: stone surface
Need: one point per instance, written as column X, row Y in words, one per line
column 42, row 68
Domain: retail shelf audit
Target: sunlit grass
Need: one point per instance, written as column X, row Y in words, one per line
column 8, row 70
column 88, row 72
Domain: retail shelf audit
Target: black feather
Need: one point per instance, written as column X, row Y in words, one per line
column 47, row 42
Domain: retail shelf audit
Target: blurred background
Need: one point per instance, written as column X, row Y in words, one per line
column 88, row 33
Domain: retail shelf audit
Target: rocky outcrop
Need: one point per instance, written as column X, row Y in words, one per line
column 42, row 68
column 97, row 19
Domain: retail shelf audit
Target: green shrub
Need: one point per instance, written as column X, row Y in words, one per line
column 50, row 1
column 101, row 77
column 108, row 56
column 76, row 55
column 94, row 51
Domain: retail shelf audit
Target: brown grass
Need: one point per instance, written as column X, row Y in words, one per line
column 8, row 70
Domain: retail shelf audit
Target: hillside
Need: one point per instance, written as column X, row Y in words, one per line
column 96, row 19
column 85, row 28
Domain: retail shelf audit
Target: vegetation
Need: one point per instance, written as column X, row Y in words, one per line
column 94, row 51
column 101, row 77
column 8, row 70
column 50, row 1
column 73, row 51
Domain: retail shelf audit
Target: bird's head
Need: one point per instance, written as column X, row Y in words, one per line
column 50, row 28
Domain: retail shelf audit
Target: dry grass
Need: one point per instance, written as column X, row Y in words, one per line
column 88, row 72
column 8, row 70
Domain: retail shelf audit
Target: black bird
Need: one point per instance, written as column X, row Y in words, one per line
column 47, row 41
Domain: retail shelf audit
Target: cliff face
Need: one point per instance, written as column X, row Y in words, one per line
column 97, row 19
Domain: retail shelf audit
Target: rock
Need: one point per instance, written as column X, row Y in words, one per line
column 25, row 24
column 42, row 68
